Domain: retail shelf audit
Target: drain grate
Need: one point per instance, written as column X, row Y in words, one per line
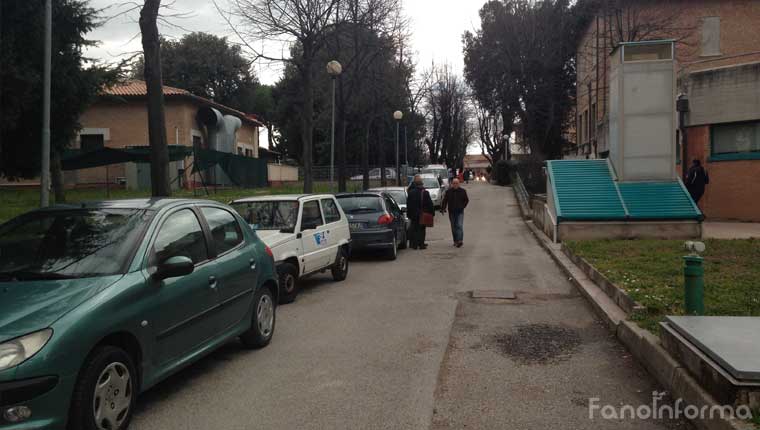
column 494, row 294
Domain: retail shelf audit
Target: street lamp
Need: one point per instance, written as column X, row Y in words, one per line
column 334, row 69
column 398, row 116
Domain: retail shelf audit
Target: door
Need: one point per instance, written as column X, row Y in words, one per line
column 183, row 315
column 313, row 236
column 333, row 232
column 399, row 224
column 234, row 265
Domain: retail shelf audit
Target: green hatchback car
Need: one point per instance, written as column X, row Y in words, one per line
column 101, row 301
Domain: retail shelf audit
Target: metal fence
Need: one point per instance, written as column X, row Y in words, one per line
column 355, row 173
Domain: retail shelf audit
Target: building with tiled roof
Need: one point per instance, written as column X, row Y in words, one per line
column 119, row 119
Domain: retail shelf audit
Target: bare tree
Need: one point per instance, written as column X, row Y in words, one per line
column 305, row 23
column 159, row 151
column 449, row 114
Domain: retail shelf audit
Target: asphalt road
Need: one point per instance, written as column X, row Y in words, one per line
column 400, row 345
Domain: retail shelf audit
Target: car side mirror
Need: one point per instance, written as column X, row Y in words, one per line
column 174, row 267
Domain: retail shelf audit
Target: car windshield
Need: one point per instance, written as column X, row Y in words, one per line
column 66, row 244
column 430, row 183
column 356, row 204
column 269, row 215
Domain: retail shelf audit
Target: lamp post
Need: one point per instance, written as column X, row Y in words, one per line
column 334, row 69
column 45, row 162
column 398, row 116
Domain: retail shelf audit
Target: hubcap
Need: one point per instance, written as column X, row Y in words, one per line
column 290, row 283
column 265, row 315
column 113, row 397
column 343, row 264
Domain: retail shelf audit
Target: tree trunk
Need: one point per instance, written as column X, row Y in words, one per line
column 159, row 151
column 56, row 176
column 307, row 122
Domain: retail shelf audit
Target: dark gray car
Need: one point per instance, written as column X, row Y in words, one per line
column 375, row 221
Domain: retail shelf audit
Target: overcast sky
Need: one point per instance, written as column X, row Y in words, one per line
column 437, row 27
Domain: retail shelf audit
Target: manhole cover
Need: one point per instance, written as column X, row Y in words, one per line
column 494, row 294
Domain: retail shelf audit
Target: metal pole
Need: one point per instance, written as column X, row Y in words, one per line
column 694, row 285
column 332, row 138
column 406, row 150
column 398, row 167
column 45, row 165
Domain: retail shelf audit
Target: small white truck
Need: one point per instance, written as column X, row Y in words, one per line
column 307, row 234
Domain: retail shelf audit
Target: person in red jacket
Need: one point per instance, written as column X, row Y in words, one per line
column 455, row 201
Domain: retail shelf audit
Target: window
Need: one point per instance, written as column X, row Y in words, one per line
column 332, row 214
column 648, row 52
column 181, row 235
column 225, row 230
column 240, row 150
column 249, row 153
column 711, row 36
column 311, row 217
column 274, row 215
column 91, row 142
column 392, row 206
column 738, row 138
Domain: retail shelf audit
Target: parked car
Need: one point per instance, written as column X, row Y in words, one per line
column 374, row 174
column 438, row 171
column 307, row 234
column 399, row 195
column 376, row 222
column 100, row 301
column 436, row 190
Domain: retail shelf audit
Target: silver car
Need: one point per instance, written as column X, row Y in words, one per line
column 430, row 182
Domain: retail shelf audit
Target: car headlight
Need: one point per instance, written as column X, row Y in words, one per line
column 20, row 349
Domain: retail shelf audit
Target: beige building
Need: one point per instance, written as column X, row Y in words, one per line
column 119, row 119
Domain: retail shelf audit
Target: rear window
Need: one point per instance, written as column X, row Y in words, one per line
column 356, row 204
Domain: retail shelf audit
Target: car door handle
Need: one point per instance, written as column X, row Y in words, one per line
column 253, row 263
column 212, row 282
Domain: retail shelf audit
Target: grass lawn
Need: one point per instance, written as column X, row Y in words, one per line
column 651, row 271
column 14, row 202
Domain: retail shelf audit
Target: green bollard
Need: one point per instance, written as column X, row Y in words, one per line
column 694, row 285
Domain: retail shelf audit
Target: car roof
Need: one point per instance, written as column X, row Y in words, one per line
column 281, row 197
column 428, row 175
column 150, row 204
column 369, row 193
column 387, row 189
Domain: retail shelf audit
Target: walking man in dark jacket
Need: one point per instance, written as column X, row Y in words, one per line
column 456, row 200
column 417, row 202
column 696, row 180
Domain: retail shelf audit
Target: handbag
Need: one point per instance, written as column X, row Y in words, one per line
column 426, row 219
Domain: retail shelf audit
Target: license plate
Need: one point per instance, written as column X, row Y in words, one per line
column 355, row 226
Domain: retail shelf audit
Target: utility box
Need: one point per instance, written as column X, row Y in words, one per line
column 642, row 121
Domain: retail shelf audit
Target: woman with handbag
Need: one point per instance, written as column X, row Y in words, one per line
column 421, row 213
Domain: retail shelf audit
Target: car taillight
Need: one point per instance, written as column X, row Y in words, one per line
column 385, row 219
column 269, row 251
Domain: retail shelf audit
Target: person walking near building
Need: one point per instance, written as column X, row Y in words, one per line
column 418, row 202
column 696, row 179
column 455, row 201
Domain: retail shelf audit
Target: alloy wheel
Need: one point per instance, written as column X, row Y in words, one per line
column 265, row 315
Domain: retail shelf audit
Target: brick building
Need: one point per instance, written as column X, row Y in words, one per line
column 718, row 68
column 119, row 119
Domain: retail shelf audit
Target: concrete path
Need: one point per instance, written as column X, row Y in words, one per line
column 400, row 345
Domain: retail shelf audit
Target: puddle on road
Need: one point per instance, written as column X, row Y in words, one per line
column 538, row 343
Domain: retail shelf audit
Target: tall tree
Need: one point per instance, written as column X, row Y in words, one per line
column 74, row 85
column 449, row 115
column 303, row 22
column 159, row 150
column 208, row 66
column 521, row 63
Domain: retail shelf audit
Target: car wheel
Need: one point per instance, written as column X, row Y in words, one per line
column 262, row 322
column 288, row 280
column 105, row 393
column 393, row 250
column 340, row 268
column 404, row 240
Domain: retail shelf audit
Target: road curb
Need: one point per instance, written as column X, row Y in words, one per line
column 643, row 345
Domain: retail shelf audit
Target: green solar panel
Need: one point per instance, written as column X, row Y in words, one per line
column 586, row 190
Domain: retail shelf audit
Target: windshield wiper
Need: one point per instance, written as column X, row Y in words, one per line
column 357, row 210
column 26, row 275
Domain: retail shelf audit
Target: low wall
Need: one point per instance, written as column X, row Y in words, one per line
column 281, row 173
column 629, row 230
